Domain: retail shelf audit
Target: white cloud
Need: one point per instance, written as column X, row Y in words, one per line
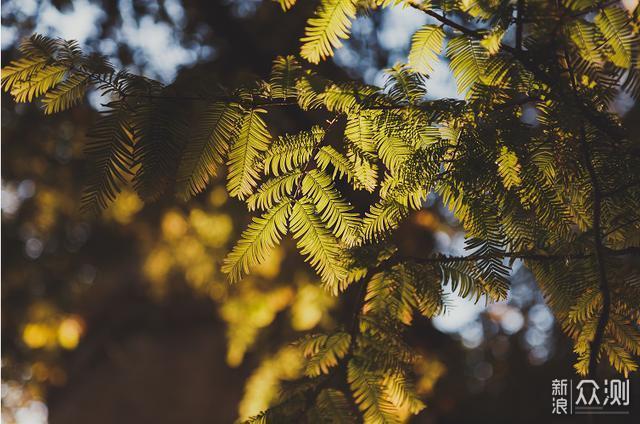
column 79, row 23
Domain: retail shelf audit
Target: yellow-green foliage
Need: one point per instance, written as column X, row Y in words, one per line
column 316, row 242
column 322, row 352
column 253, row 139
column 207, row 147
column 262, row 235
column 426, row 45
column 560, row 194
column 324, row 31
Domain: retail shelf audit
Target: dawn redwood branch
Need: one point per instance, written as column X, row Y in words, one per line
column 527, row 255
column 426, row 8
column 105, row 82
column 621, row 226
column 519, row 24
column 265, row 104
column 599, row 247
column 533, row 256
column 518, row 102
column 596, row 343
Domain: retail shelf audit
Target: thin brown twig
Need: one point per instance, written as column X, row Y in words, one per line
column 426, row 8
column 619, row 227
column 519, row 24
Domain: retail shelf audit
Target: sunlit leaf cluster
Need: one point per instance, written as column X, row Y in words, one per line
column 534, row 164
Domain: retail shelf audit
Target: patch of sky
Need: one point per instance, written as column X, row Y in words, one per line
column 398, row 25
column 158, row 49
column 79, row 22
column 243, row 8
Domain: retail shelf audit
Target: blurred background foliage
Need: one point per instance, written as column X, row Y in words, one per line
column 126, row 318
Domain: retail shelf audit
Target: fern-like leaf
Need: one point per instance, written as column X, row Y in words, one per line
column 426, row 45
column 324, row 31
column 587, row 39
column 158, row 131
column 468, row 61
column 328, row 156
column 310, row 89
column 334, row 211
column 323, row 352
column 368, row 392
column 404, row 86
column 21, row 70
column 273, row 191
column 365, row 172
column 333, row 407
column 286, row 4
column 508, row 168
column 39, row 52
column 246, row 148
column 289, row 152
column 360, row 130
column 38, row 83
column 619, row 36
column 262, row 235
column 317, row 243
column 66, row 94
column 381, row 218
column 109, row 153
column 206, row 148
column 284, row 74
column 402, row 393
column 621, row 360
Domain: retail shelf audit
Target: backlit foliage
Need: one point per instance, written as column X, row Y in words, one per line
column 559, row 192
column 324, row 31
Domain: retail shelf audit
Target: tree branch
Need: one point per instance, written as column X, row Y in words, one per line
column 519, row 24
column 532, row 256
column 621, row 226
column 99, row 79
column 596, row 343
column 426, row 8
column 598, row 337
